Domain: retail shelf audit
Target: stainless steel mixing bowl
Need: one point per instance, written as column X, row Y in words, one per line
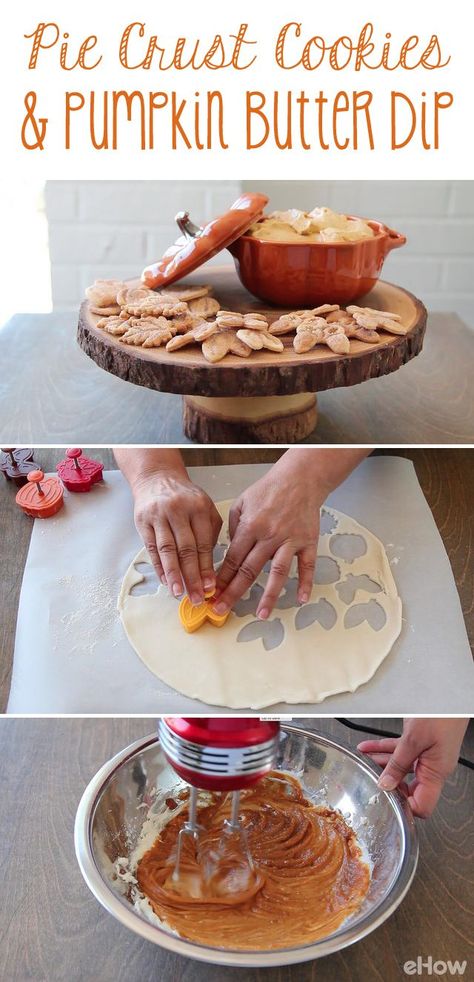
column 114, row 807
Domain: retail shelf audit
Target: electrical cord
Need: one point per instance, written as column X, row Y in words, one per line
column 376, row 731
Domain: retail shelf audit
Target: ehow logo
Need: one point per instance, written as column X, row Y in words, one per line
column 428, row 966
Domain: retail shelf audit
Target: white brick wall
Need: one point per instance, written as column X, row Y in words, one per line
column 102, row 229
column 114, row 228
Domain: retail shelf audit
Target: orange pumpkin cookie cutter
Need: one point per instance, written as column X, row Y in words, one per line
column 192, row 616
column 41, row 497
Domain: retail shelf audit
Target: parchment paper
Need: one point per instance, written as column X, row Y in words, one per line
column 72, row 656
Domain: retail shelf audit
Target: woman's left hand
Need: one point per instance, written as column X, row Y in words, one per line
column 276, row 519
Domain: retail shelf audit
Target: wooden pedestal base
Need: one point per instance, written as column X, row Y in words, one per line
column 259, row 419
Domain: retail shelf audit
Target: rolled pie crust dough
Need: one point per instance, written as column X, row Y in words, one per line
column 309, row 664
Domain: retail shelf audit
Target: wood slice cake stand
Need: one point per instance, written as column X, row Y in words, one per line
column 268, row 397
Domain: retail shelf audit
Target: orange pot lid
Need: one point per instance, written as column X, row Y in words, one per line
column 197, row 245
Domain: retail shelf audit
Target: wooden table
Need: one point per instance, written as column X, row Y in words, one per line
column 446, row 477
column 51, row 392
column 53, row 930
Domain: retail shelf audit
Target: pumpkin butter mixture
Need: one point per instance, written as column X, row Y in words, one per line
column 308, row 871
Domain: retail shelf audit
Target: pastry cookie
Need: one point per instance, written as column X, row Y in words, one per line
column 259, row 339
column 103, row 293
column 113, row 325
column 201, row 332
column 154, row 307
column 371, row 319
column 233, row 319
column 224, row 343
column 185, row 293
column 204, row 306
column 148, row 332
column 313, row 331
column 133, row 294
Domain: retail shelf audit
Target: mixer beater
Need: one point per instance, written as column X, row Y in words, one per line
column 217, row 754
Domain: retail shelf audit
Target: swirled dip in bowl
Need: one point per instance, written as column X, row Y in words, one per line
column 309, row 872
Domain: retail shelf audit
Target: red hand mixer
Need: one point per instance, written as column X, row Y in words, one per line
column 218, row 753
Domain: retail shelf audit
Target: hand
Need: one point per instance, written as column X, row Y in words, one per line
column 179, row 525
column 275, row 519
column 428, row 747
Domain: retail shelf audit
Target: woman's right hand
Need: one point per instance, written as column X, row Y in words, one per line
column 179, row 525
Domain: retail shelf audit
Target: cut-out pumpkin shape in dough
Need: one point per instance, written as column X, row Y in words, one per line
column 347, row 546
column 192, row 616
column 327, row 571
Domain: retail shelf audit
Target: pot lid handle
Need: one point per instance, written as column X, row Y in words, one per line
column 186, row 226
column 196, row 245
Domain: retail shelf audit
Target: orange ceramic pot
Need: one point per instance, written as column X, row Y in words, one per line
column 299, row 274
